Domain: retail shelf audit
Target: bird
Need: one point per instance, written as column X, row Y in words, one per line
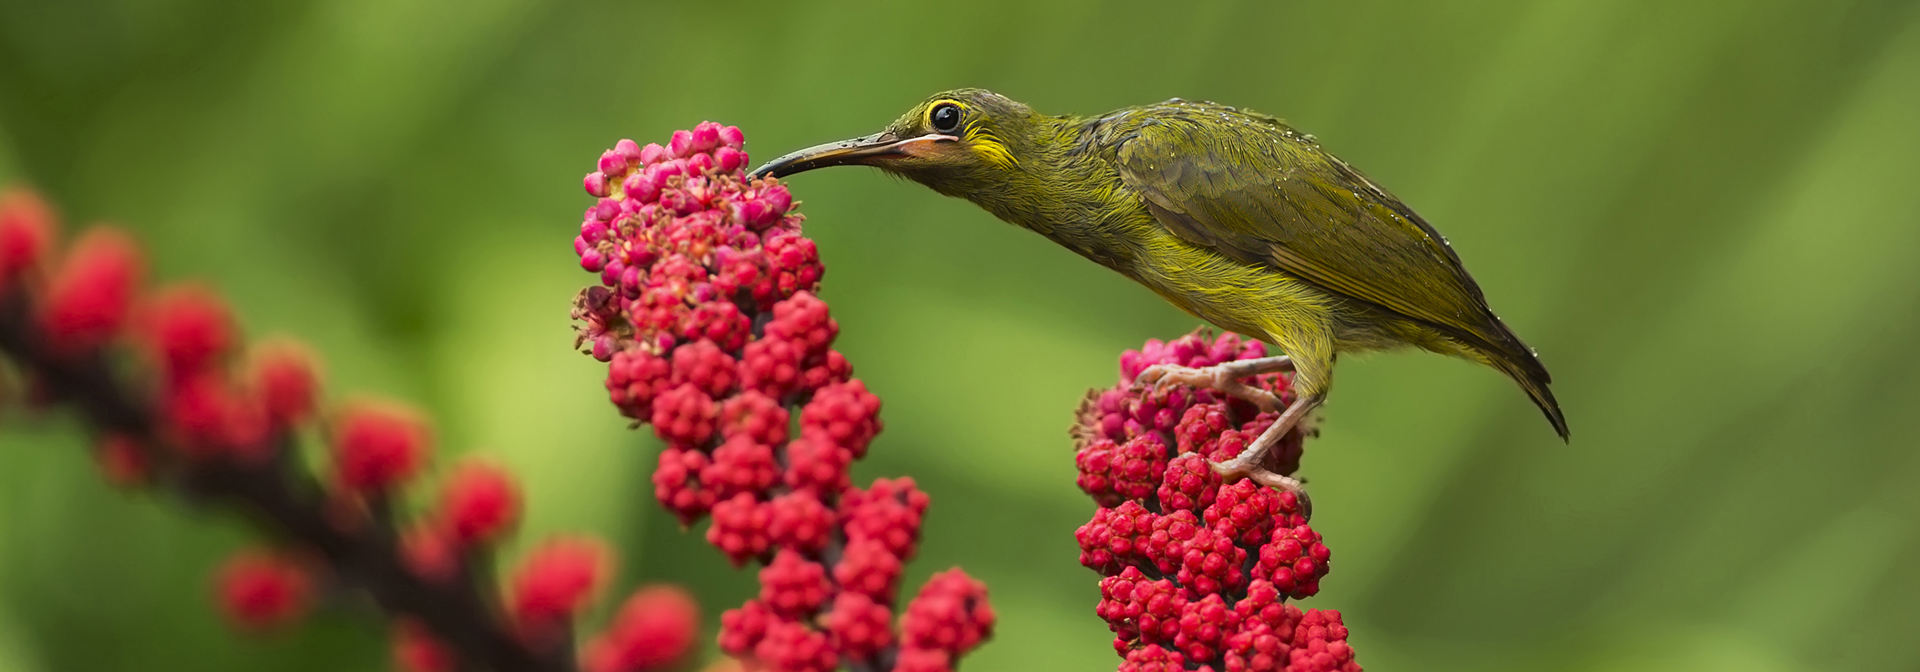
column 1231, row 215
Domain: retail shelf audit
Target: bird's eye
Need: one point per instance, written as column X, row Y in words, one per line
column 945, row 117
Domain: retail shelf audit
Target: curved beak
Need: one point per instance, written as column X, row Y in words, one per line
column 858, row 151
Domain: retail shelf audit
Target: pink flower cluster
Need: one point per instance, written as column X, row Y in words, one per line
column 203, row 413
column 688, row 250
column 707, row 317
column 1198, row 571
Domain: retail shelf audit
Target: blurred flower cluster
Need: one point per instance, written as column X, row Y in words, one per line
column 707, row 317
column 1197, row 572
column 180, row 403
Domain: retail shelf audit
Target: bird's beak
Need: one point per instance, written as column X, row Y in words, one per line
column 863, row 150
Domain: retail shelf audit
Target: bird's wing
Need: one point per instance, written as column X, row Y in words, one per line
column 1253, row 189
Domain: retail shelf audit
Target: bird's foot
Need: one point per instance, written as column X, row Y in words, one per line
column 1247, row 465
column 1251, row 462
column 1223, row 377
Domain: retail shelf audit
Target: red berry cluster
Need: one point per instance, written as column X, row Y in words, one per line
column 199, row 412
column 707, row 317
column 1197, row 570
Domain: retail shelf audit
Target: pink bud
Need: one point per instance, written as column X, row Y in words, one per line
column 596, row 184
column 699, row 164
column 286, row 376
column 730, row 159
column 630, row 280
column 259, row 589
column 593, row 230
column 87, row 300
column 640, row 187
column 654, row 629
column 702, row 292
column 26, row 230
column 592, row 260
column 641, row 256
column 732, row 136
column 606, row 209
column 659, row 172
column 610, row 272
column 743, row 239
column 612, row 163
column 377, row 446
column 681, row 144
column 674, row 167
column 603, row 347
column 480, row 501
column 778, row 199
column 189, row 327
column 706, row 136
column 752, row 213
column 652, row 154
column 555, row 581
column 629, row 150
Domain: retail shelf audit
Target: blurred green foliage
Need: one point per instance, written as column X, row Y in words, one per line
column 1702, row 213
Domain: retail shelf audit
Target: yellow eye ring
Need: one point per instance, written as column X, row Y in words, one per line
column 944, row 116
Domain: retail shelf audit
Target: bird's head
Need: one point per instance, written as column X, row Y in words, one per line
column 957, row 142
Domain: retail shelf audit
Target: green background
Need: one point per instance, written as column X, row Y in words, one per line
column 1703, row 214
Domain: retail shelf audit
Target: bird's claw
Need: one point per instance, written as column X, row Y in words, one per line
column 1240, row 467
column 1160, row 376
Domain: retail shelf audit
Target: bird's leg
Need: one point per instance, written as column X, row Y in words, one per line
column 1226, row 378
column 1248, row 464
column 1223, row 377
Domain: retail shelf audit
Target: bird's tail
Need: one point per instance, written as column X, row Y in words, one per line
column 1516, row 360
column 1536, row 387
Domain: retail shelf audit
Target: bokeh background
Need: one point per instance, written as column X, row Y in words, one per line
column 1702, row 213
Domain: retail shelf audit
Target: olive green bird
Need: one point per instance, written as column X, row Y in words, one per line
column 1231, row 215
